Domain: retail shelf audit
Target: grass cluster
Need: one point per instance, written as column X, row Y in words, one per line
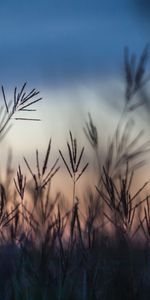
column 49, row 251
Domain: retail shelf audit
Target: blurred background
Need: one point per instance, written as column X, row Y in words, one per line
column 72, row 51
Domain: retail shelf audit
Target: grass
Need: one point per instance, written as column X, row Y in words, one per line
column 49, row 251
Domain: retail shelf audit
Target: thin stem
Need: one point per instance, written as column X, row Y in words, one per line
column 6, row 122
column 74, row 189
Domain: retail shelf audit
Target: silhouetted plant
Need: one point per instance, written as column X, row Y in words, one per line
column 121, row 204
column 20, row 183
column 75, row 161
column 135, row 76
column 21, row 102
column 41, row 179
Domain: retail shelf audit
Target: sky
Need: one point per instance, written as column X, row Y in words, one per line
column 72, row 51
column 49, row 42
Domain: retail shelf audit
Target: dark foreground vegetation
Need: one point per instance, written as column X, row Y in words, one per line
column 49, row 251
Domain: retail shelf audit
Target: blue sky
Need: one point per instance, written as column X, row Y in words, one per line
column 49, row 42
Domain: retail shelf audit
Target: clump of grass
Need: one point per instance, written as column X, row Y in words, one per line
column 120, row 202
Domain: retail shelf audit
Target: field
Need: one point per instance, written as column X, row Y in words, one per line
column 94, row 250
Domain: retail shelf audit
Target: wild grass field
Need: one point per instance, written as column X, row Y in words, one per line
column 96, row 250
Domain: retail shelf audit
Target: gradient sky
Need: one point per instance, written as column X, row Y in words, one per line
column 49, row 42
column 72, row 51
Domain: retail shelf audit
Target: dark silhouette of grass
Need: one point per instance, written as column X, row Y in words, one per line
column 102, row 252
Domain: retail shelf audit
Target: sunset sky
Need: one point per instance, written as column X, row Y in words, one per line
column 72, row 51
